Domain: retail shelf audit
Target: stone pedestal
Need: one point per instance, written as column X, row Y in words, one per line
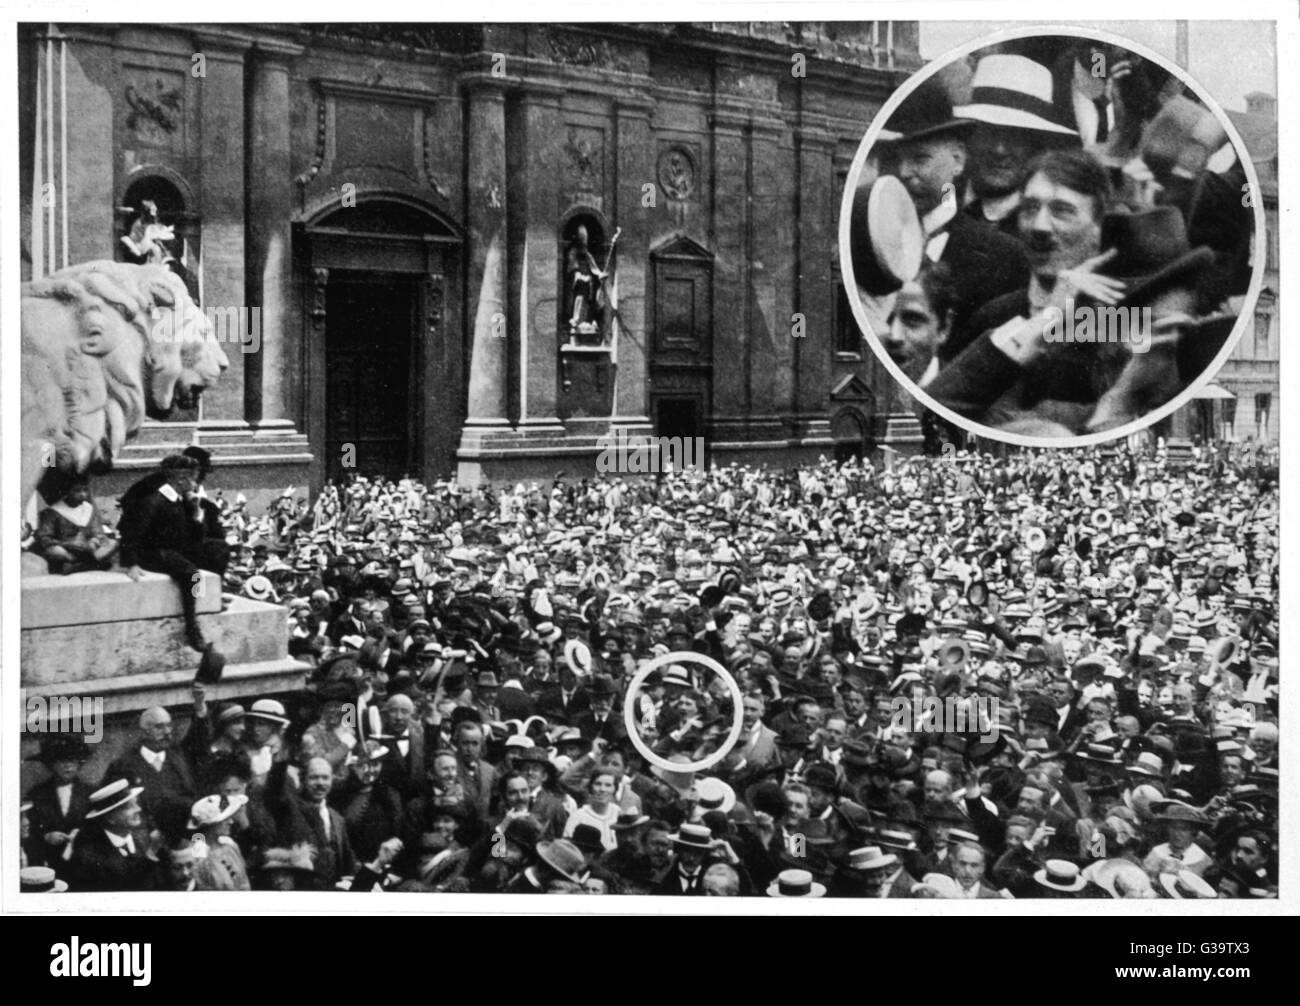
column 102, row 635
column 118, row 647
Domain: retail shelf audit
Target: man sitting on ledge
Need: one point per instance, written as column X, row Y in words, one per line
column 164, row 531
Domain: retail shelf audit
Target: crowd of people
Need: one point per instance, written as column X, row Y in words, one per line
column 1083, row 248
column 464, row 725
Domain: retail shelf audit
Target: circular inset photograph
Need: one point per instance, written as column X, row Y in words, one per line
column 1049, row 237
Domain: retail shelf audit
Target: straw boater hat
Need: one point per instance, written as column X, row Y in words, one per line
column 1186, row 885
column 795, row 884
column 268, row 709
column 112, row 796
column 564, row 858
column 1014, row 91
column 39, row 880
column 1061, row 875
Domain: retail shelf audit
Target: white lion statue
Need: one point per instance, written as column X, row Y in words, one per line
column 103, row 344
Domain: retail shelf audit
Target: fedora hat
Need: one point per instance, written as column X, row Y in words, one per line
column 1014, row 91
column 630, row 819
column 1152, row 251
column 1175, row 811
column 62, row 747
column 112, row 796
column 602, row 687
column 926, row 112
column 1061, row 875
column 564, row 858
column 587, row 838
column 1148, row 763
column 886, row 240
column 795, row 884
column 39, row 880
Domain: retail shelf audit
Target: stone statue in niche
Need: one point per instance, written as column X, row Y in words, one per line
column 584, row 287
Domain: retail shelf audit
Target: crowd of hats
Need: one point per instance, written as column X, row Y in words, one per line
column 1048, row 581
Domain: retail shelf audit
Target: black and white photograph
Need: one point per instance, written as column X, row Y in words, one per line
column 1055, row 237
column 656, row 461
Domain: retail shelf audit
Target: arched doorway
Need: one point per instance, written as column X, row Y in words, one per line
column 849, row 430
column 384, row 349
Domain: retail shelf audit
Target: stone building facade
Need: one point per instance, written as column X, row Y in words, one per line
column 394, row 207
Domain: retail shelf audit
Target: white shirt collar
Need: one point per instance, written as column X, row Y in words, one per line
column 121, row 841
column 155, row 758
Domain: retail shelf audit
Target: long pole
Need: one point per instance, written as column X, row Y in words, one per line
column 49, row 140
column 63, row 141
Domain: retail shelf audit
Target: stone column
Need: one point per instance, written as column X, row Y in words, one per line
column 772, row 252
column 273, row 400
column 221, row 132
column 731, row 274
column 635, row 166
column 486, row 214
column 818, row 233
column 538, row 256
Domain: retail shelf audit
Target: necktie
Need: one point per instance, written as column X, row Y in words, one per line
column 325, row 819
column 64, row 794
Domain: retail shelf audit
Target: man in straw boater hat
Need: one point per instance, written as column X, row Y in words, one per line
column 110, row 851
column 1014, row 118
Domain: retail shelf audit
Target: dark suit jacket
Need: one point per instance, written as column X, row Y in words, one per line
column 46, row 816
column 168, row 795
column 407, row 774
column 612, row 730
column 301, row 822
column 985, row 263
column 151, row 523
column 97, row 865
column 550, row 704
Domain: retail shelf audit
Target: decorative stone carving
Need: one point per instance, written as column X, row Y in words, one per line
column 677, row 172
column 156, row 109
column 586, row 152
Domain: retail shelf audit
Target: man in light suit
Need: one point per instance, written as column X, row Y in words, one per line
column 757, row 740
column 477, row 777
column 968, row 860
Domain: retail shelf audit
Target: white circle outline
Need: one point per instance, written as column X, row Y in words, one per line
column 738, row 713
column 911, row 388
